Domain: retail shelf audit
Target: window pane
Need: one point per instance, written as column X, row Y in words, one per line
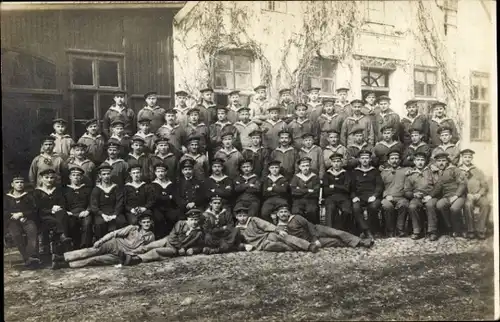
column 80, row 128
column 364, row 73
column 327, row 68
column 243, row 80
column 474, row 109
column 83, row 105
column 315, row 68
column 22, row 70
column 419, row 76
column 484, row 93
column 327, row 86
column 315, row 82
column 474, row 121
column 474, row 93
column 224, row 80
column 431, row 90
column 419, row 88
column 82, row 72
column 223, row 62
column 431, row 78
column 108, row 73
column 474, row 133
column 242, row 64
column 45, row 76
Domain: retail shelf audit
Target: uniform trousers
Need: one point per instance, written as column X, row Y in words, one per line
column 331, row 237
column 28, row 247
column 335, row 219
column 451, row 213
column 269, row 206
column 395, row 213
column 373, row 223
column 476, row 222
column 80, row 229
column 102, row 227
column 164, row 221
column 414, row 210
column 308, row 207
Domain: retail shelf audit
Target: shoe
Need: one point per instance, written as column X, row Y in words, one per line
column 313, row 248
column 455, row 235
column 206, row 251
column 416, row 236
column 481, row 236
column 366, row 243
column 470, row 235
column 215, row 251
column 401, row 234
column 57, row 258
column 369, row 235
column 58, row 265
column 241, row 247
column 433, row 237
column 182, row 252
column 131, row 260
column 362, row 235
column 190, row 252
column 33, row 263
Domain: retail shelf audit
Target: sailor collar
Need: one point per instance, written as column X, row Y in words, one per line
column 389, row 145
column 244, row 226
column 314, row 104
column 117, row 109
column 169, row 127
column 234, row 108
column 151, row 108
column 387, row 113
column 301, row 122
column 273, row 123
column 88, row 136
column 49, row 192
column 218, row 179
column 222, row 124
column 439, row 120
column 354, row 118
column 60, row 136
column 125, row 136
column 304, row 178
column 182, row 110
column 197, row 125
column 17, row 197
column 329, row 117
column 369, row 107
column 137, row 157
column 308, row 151
column 411, row 119
column 108, row 189
column 75, row 161
column 208, row 104
column 163, row 157
column 416, row 170
column 445, row 147
column 143, row 135
column 192, row 156
column 383, row 168
column 284, row 150
column 416, row 146
column 253, row 175
column 76, row 187
column 335, row 173
column 364, row 170
column 111, row 162
column 360, row 147
column 164, row 185
column 136, row 186
column 334, row 148
column 255, row 150
column 234, row 150
column 273, row 178
column 211, row 212
column 244, row 124
column 465, row 168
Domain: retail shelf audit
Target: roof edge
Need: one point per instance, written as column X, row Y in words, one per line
column 185, row 11
column 86, row 5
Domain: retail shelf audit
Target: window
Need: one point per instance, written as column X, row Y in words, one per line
column 375, row 79
column 375, row 11
column 93, row 79
column 24, row 71
column 279, row 6
column 425, row 82
column 233, row 71
column 322, row 74
column 480, row 122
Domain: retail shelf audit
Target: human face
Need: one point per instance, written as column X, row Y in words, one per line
column 234, row 99
column 337, row 164
column 207, row 97
column 394, row 160
column 467, row 159
column 49, row 180
column 384, row 105
column 160, row 173
column 333, row 138
column 274, row 170
column 370, row 99
column 284, row 139
column 308, row 142
column 227, row 141
column 118, row 130
column 387, row 135
column 119, row 99
column 146, row 223
column 92, row 129
column 59, row 128
column 151, row 100
column 356, row 108
column 170, row 118
column 216, row 205
column 187, row 172
column 261, row 93
column 105, row 176
column 17, row 185
column 217, row 169
column 328, row 109
column 442, row 163
column 256, row 140
column 301, row 111
column 112, row 152
column 75, row 178
column 286, row 97
column 79, row 153
column 144, row 127
column 274, row 115
column 242, row 217
column 305, row 167
column 137, row 146
column 162, row 147
column 283, row 214
column 193, row 146
column 313, row 95
column 415, row 137
column 445, row 137
column 419, row 162
column 412, row 110
column 135, row 174
column 246, row 168
column 181, row 100
column 439, row 111
column 244, row 116
column 364, row 160
column 194, row 117
column 192, row 222
column 358, row 138
column 221, row 115
column 342, row 95
column 48, row 147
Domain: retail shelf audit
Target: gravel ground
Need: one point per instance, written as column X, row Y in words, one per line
column 397, row 279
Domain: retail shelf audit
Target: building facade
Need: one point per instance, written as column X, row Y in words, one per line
column 427, row 50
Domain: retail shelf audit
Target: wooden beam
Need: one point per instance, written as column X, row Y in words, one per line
column 89, row 5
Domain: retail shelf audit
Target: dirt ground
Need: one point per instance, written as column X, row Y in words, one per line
column 399, row 279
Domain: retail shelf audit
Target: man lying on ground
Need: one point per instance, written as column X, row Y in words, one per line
column 259, row 234
column 322, row 236
column 120, row 243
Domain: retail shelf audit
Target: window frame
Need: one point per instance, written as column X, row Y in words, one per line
column 309, row 76
column 232, row 54
column 95, row 58
column 386, row 73
column 425, row 70
column 264, row 6
column 481, row 103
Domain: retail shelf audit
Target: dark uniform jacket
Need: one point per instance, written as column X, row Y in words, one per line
column 270, row 129
column 222, row 187
column 24, row 203
column 146, row 165
column 435, row 124
column 77, row 198
column 171, row 161
column 352, row 154
column 420, row 122
column 260, row 157
column 95, row 147
column 45, row 200
column 155, row 114
column 126, row 115
column 243, row 189
column 388, row 118
column 279, row 187
column 382, row 148
column 298, row 128
column 411, row 150
column 190, row 190
column 300, row 185
column 451, row 183
column 119, row 173
column 141, row 195
column 201, row 131
column 288, row 158
column 164, row 196
column 366, row 183
column 341, row 182
column 107, row 201
column 328, row 123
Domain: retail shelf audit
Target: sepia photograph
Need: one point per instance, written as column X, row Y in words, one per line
column 250, row 160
